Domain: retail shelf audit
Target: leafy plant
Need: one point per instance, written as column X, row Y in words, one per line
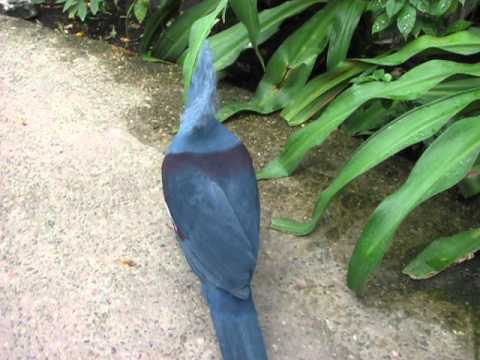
column 139, row 9
column 81, row 8
column 399, row 98
column 413, row 16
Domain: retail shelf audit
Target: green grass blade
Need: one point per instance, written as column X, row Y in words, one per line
column 463, row 43
column 199, row 32
column 442, row 253
column 228, row 44
column 445, row 162
column 411, row 85
column 346, row 17
column 412, row 127
column 299, row 108
column 173, row 41
column 289, row 68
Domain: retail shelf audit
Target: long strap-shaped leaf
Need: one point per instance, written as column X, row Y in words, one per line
column 228, row 44
column 412, row 127
column 464, row 43
column 173, row 41
column 246, row 12
column 302, row 106
column 445, row 162
column 289, row 68
column 198, row 33
column 442, row 253
column 346, row 17
column 299, row 109
column 163, row 11
column 412, row 84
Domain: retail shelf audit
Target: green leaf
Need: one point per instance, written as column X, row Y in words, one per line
column 373, row 116
column 445, row 162
column 381, row 23
column 421, row 5
column 304, row 103
column 442, row 253
column 346, row 16
column 463, row 43
column 375, row 5
column 457, row 26
column 164, row 11
column 406, row 20
column 470, row 186
column 173, row 41
column 82, row 10
column 393, row 7
column 439, row 7
column 449, row 87
column 68, row 4
column 199, row 32
column 412, row 127
column 411, row 85
column 289, row 68
column 246, row 12
column 94, row 6
column 228, row 44
column 140, row 9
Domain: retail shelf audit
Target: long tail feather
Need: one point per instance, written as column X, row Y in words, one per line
column 236, row 325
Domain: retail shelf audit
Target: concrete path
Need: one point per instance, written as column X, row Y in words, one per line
column 90, row 269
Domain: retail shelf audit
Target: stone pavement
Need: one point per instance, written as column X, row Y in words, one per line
column 89, row 267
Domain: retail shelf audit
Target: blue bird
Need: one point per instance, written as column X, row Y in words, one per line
column 211, row 192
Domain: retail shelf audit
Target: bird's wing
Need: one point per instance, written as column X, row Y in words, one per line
column 214, row 240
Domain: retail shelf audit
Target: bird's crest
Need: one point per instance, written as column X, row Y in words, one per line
column 201, row 99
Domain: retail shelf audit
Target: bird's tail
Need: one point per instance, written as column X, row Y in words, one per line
column 236, row 325
column 202, row 94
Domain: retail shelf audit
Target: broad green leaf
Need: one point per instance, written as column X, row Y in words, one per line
column 173, row 41
column 68, row 4
column 228, row 44
column 457, row 26
column 442, row 253
column 440, row 7
column 289, row 68
column 411, row 85
column 375, row 5
column 299, row 109
column 470, row 186
column 412, row 127
column 303, row 104
column 346, row 16
column 421, row 5
column 246, row 12
column 140, row 9
column 198, row 33
column 463, row 43
column 445, row 162
column 94, row 5
column 406, row 20
column 373, row 116
column 449, row 87
column 82, row 10
column 381, row 23
column 392, row 7
column 164, row 11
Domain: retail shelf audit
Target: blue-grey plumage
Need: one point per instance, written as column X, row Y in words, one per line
column 211, row 192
